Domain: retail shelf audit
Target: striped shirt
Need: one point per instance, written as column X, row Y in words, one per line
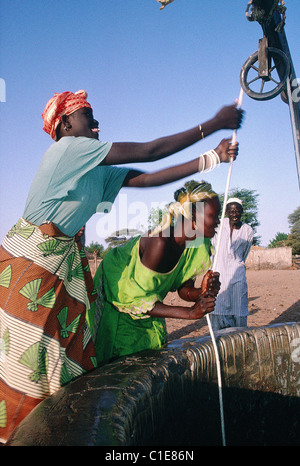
column 233, row 295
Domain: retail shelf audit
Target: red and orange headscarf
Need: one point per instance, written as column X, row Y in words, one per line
column 64, row 103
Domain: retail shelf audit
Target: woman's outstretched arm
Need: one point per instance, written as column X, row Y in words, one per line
column 137, row 179
column 202, row 306
column 229, row 117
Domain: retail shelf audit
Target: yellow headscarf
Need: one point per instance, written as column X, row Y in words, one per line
column 191, row 192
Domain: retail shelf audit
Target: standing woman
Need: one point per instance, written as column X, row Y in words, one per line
column 45, row 283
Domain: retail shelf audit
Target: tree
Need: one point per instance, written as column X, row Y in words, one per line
column 95, row 248
column 294, row 219
column 249, row 197
column 294, row 237
column 155, row 216
column 120, row 237
column 279, row 241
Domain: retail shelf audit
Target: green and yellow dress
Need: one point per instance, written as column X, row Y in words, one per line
column 127, row 291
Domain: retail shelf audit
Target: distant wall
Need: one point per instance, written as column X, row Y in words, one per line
column 269, row 258
column 94, row 264
column 258, row 258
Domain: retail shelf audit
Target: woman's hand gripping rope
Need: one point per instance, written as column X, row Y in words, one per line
column 205, row 303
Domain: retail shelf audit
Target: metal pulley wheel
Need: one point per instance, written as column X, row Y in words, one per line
column 259, row 77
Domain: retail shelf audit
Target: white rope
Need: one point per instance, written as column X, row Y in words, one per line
column 214, row 269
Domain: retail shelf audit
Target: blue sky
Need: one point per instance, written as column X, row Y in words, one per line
column 148, row 73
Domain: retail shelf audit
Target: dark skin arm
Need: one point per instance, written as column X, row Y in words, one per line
column 202, row 306
column 138, row 179
column 210, row 286
column 229, row 117
column 155, row 254
column 203, row 297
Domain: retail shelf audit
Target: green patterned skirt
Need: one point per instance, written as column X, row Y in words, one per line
column 45, row 289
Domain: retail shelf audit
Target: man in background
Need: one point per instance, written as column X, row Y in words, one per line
column 231, row 309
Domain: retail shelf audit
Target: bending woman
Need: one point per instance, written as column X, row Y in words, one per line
column 45, row 282
column 133, row 280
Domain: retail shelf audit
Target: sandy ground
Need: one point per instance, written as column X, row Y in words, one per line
column 274, row 297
